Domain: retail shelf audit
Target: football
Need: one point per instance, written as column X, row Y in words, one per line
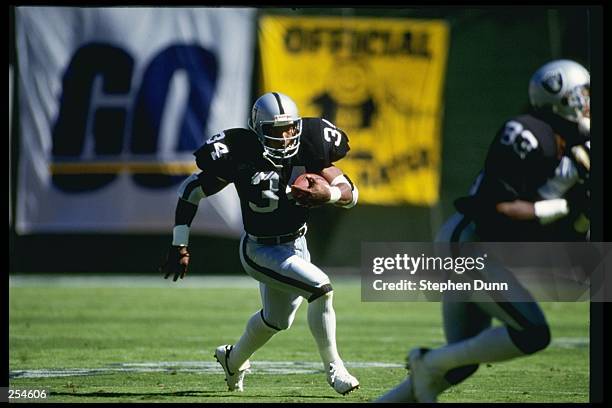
column 302, row 181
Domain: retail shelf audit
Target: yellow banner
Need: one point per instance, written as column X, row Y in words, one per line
column 381, row 81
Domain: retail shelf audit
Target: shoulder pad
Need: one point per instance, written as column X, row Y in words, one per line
column 324, row 143
column 523, row 154
column 532, row 131
column 219, row 153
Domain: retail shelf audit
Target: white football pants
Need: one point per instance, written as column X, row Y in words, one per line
column 286, row 276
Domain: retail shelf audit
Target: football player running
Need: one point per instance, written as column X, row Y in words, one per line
column 534, row 187
column 263, row 162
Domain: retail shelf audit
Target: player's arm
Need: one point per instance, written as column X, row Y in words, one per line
column 517, row 161
column 338, row 190
column 545, row 211
column 331, row 146
column 551, row 206
column 343, row 192
column 191, row 191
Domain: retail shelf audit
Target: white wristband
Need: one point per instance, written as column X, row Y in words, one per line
column 335, row 194
column 341, row 179
column 180, row 235
column 353, row 202
column 548, row 211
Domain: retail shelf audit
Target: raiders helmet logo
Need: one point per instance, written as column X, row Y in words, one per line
column 553, row 82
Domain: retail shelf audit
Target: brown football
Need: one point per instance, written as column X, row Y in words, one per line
column 302, row 181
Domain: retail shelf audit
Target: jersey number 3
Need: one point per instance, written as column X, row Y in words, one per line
column 268, row 184
column 521, row 139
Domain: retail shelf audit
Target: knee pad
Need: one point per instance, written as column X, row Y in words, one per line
column 456, row 375
column 324, row 290
column 531, row 339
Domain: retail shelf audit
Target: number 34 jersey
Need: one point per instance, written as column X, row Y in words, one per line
column 236, row 156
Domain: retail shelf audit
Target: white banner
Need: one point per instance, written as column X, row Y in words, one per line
column 113, row 101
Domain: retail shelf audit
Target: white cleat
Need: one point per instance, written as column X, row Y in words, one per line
column 235, row 381
column 340, row 379
column 426, row 382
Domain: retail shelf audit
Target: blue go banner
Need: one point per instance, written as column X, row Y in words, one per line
column 113, row 101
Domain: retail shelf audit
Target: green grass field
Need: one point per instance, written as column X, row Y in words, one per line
column 115, row 343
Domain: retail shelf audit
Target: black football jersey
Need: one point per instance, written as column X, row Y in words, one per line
column 522, row 156
column 268, row 209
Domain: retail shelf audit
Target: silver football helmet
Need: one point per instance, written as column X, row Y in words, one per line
column 563, row 86
column 271, row 110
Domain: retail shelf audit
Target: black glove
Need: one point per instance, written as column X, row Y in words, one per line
column 176, row 262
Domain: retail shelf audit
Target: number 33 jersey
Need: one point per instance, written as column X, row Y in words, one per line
column 522, row 156
column 236, row 156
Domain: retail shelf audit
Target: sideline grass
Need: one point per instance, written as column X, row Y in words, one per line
column 54, row 327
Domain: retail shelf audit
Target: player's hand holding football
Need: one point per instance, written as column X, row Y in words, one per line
column 315, row 194
column 176, row 262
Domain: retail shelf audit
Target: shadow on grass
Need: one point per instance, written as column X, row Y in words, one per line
column 217, row 394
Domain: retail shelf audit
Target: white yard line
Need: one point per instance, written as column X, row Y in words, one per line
column 570, row 342
column 196, row 367
column 130, row 281
column 211, row 367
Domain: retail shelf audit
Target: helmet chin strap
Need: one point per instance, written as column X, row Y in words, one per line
column 279, row 154
column 271, row 160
